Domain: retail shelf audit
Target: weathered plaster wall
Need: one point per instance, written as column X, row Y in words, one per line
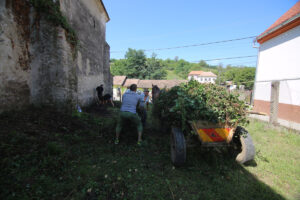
column 14, row 54
column 38, row 64
column 93, row 55
column 53, row 69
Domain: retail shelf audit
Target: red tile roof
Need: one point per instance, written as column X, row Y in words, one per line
column 119, row 80
column 160, row 83
column 195, row 72
column 129, row 82
column 202, row 73
column 282, row 21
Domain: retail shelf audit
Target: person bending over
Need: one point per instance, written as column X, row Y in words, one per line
column 108, row 98
column 128, row 113
column 99, row 90
column 144, row 106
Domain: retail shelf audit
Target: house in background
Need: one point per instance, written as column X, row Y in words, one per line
column 202, row 77
column 168, row 84
column 118, row 82
column 230, row 85
column 121, row 83
column 277, row 82
column 130, row 81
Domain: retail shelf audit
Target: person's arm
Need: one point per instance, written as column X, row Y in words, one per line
column 112, row 103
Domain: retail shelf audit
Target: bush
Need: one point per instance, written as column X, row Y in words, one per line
column 196, row 101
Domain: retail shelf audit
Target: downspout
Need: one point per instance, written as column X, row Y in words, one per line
column 257, row 64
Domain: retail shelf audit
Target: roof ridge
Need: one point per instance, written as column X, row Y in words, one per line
column 287, row 18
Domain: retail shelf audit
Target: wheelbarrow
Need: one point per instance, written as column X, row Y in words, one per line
column 213, row 135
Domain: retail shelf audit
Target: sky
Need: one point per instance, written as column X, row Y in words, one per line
column 147, row 25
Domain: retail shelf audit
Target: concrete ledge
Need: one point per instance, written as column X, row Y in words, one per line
column 281, row 122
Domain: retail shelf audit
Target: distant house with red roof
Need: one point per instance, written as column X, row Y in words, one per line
column 202, row 77
column 277, row 81
column 121, row 83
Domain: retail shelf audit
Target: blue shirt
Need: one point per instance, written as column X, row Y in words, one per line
column 129, row 102
column 143, row 100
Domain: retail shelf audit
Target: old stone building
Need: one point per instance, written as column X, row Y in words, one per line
column 38, row 62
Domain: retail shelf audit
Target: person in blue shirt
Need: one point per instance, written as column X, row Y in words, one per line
column 128, row 113
column 144, row 106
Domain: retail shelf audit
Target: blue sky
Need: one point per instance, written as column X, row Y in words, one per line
column 145, row 24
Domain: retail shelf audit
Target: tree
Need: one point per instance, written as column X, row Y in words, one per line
column 155, row 69
column 118, row 67
column 136, row 65
column 245, row 76
column 182, row 68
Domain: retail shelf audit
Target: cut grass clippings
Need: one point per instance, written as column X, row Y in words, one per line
column 46, row 154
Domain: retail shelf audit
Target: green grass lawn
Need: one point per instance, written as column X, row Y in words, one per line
column 277, row 158
column 172, row 76
column 50, row 155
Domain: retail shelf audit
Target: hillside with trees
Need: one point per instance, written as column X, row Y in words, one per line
column 137, row 65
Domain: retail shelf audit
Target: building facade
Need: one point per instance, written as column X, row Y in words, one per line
column 40, row 65
column 277, row 82
column 202, row 77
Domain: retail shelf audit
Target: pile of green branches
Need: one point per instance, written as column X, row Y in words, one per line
column 196, row 101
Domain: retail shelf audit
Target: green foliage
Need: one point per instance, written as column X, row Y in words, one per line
column 239, row 76
column 195, row 101
column 51, row 10
column 136, row 65
column 155, row 69
column 181, row 67
column 245, row 76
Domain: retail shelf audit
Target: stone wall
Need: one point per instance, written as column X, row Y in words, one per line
column 39, row 66
column 14, row 55
column 93, row 55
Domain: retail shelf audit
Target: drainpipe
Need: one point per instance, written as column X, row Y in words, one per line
column 257, row 62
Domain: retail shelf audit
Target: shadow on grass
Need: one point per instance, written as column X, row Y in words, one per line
column 207, row 174
column 50, row 155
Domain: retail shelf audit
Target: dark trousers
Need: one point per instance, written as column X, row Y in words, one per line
column 143, row 115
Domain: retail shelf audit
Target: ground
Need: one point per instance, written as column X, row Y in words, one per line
column 46, row 154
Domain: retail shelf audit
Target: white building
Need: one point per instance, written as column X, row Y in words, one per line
column 202, row 77
column 277, row 81
column 118, row 83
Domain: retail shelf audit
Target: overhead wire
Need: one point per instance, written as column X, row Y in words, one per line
column 228, row 58
column 192, row 45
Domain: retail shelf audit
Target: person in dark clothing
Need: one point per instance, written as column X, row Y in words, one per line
column 99, row 90
column 104, row 99
column 108, row 98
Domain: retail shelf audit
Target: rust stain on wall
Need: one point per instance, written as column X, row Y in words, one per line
column 21, row 10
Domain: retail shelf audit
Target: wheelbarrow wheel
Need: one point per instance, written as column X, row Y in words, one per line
column 178, row 147
column 243, row 142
